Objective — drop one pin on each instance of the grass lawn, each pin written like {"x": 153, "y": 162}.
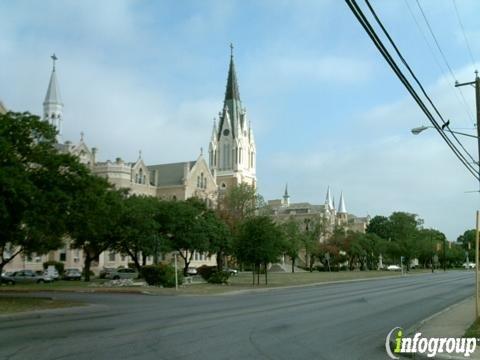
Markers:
{"x": 473, "y": 330}
{"x": 15, "y": 304}
{"x": 242, "y": 281}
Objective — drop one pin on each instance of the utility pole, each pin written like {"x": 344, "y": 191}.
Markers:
{"x": 476, "y": 84}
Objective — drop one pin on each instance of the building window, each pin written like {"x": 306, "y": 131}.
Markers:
{"x": 63, "y": 256}
{"x": 111, "y": 256}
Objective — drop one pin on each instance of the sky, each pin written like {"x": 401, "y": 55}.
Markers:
{"x": 325, "y": 107}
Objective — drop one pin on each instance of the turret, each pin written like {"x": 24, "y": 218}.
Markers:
{"x": 53, "y": 106}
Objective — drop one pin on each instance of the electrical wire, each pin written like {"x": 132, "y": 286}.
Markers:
{"x": 440, "y": 50}
{"x": 454, "y": 90}
{"x": 405, "y": 63}
{"x": 378, "y": 43}
{"x": 464, "y": 34}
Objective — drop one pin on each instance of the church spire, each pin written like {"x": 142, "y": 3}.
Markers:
{"x": 341, "y": 207}
{"x": 52, "y": 105}
{"x": 286, "y": 197}
{"x": 328, "y": 200}
{"x": 232, "y": 92}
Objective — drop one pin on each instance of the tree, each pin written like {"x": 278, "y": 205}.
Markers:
{"x": 139, "y": 228}
{"x": 187, "y": 225}
{"x": 293, "y": 239}
{"x": 38, "y": 185}
{"x": 259, "y": 242}
{"x": 381, "y": 226}
{"x": 314, "y": 230}
{"x": 238, "y": 203}
{"x": 467, "y": 239}
{"x": 95, "y": 222}
{"x": 405, "y": 232}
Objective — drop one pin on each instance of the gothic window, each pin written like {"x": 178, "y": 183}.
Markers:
{"x": 111, "y": 256}
{"x": 205, "y": 183}
{"x": 174, "y": 197}
{"x": 240, "y": 156}
{"x": 198, "y": 181}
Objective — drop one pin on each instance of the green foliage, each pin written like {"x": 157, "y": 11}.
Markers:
{"x": 259, "y": 241}
{"x": 94, "y": 223}
{"x": 58, "y": 265}
{"x": 38, "y": 186}
{"x": 161, "y": 275}
{"x": 292, "y": 237}
{"x": 212, "y": 275}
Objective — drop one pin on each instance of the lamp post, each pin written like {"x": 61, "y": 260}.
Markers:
{"x": 418, "y": 130}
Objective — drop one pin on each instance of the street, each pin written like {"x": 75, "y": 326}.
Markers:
{"x": 336, "y": 321}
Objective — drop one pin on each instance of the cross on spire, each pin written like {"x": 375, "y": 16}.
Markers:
{"x": 54, "y": 58}
{"x": 231, "y": 50}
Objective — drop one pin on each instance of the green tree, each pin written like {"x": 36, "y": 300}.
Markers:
{"x": 95, "y": 222}
{"x": 234, "y": 206}
{"x": 381, "y": 226}
{"x": 187, "y": 227}
{"x": 467, "y": 239}
{"x": 259, "y": 242}
{"x": 38, "y": 185}
{"x": 314, "y": 230}
{"x": 293, "y": 239}
{"x": 139, "y": 229}
{"x": 405, "y": 233}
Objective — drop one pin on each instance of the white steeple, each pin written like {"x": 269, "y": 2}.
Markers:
{"x": 53, "y": 106}
{"x": 328, "y": 200}
{"x": 232, "y": 149}
{"x": 341, "y": 207}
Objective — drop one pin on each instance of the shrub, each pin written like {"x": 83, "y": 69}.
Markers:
{"x": 58, "y": 265}
{"x": 211, "y": 275}
{"x": 161, "y": 275}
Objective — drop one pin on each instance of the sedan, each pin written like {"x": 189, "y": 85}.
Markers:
{"x": 122, "y": 274}
{"x": 25, "y": 276}
{"x": 72, "y": 274}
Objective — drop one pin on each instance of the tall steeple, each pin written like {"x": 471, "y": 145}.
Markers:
{"x": 232, "y": 92}
{"x": 232, "y": 151}
{"x": 52, "y": 105}
{"x": 341, "y": 207}
{"x": 328, "y": 200}
{"x": 286, "y": 197}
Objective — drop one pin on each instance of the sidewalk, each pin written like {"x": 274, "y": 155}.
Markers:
{"x": 450, "y": 322}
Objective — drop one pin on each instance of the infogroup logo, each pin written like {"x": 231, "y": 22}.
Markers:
{"x": 429, "y": 346}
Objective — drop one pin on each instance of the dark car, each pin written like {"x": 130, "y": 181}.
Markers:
{"x": 72, "y": 274}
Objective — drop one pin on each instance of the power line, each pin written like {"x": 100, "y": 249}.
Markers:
{"x": 464, "y": 34}
{"x": 455, "y": 91}
{"x": 378, "y": 43}
{"x": 405, "y": 63}
{"x": 441, "y": 51}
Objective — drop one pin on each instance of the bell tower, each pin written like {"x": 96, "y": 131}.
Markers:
{"x": 232, "y": 152}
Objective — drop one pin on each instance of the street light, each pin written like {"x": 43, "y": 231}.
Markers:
{"x": 418, "y": 130}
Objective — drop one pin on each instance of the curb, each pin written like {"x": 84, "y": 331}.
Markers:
{"x": 35, "y": 314}
{"x": 413, "y": 329}
{"x": 333, "y": 282}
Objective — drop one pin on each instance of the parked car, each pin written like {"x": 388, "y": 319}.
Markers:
{"x": 192, "y": 271}
{"x": 469, "y": 265}
{"x": 72, "y": 274}
{"x": 25, "y": 276}
{"x": 51, "y": 272}
{"x": 231, "y": 271}
{"x": 122, "y": 274}
{"x": 106, "y": 272}
{"x": 393, "y": 268}
{"x": 4, "y": 277}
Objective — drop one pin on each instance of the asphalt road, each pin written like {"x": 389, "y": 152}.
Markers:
{"x": 337, "y": 321}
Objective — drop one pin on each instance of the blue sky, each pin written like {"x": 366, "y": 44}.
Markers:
{"x": 325, "y": 108}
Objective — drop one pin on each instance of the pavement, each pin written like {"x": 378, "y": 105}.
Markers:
{"x": 332, "y": 321}
{"x": 452, "y": 321}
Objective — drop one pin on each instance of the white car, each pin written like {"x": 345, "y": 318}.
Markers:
{"x": 469, "y": 265}
{"x": 393, "y": 268}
